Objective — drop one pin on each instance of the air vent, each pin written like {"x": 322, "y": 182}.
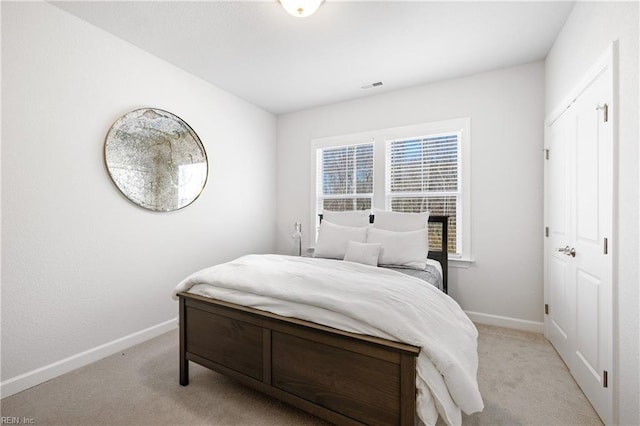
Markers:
{"x": 370, "y": 85}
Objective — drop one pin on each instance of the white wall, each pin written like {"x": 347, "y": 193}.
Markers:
{"x": 588, "y": 32}
{"x": 81, "y": 265}
{"x": 506, "y": 110}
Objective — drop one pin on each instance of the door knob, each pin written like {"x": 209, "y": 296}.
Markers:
{"x": 569, "y": 251}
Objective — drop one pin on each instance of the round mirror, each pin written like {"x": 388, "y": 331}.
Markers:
{"x": 156, "y": 160}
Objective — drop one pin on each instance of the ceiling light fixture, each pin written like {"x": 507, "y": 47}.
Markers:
{"x": 301, "y": 8}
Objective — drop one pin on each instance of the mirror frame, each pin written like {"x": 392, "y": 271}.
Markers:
{"x": 143, "y": 142}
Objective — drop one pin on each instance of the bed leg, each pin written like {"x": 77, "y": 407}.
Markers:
{"x": 184, "y": 372}
{"x": 184, "y": 363}
{"x": 407, "y": 390}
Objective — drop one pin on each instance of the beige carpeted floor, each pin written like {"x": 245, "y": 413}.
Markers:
{"x": 522, "y": 380}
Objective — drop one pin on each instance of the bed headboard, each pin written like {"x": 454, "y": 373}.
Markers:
{"x": 438, "y": 239}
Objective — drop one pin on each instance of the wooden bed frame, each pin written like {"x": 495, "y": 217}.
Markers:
{"x": 344, "y": 378}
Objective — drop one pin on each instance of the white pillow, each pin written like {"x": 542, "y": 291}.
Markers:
{"x": 397, "y": 221}
{"x": 408, "y": 249}
{"x": 333, "y": 239}
{"x": 363, "y": 253}
{"x": 347, "y": 218}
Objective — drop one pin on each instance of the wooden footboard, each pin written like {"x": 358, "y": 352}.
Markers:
{"x": 342, "y": 377}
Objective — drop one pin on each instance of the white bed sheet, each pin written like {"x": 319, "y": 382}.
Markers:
{"x": 432, "y": 272}
{"x": 367, "y": 300}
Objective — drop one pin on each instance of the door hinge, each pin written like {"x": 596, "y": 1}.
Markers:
{"x": 606, "y": 246}
{"x": 605, "y": 109}
{"x": 546, "y": 154}
{"x": 605, "y": 379}
{"x": 546, "y": 231}
{"x": 546, "y": 309}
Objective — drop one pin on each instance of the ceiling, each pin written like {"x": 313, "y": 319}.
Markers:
{"x": 281, "y": 63}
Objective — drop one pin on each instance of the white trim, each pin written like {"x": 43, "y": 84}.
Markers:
{"x": 604, "y": 61}
{"x": 506, "y": 322}
{"x": 40, "y": 375}
{"x": 458, "y": 262}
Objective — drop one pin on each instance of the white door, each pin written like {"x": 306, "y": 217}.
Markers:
{"x": 592, "y": 230}
{"x": 560, "y": 318}
{"x": 579, "y": 276}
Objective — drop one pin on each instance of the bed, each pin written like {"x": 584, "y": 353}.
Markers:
{"x": 438, "y": 235}
{"x": 343, "y": 375}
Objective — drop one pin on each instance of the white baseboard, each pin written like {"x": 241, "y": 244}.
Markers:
{"x": 48, "y": 372}
{"x": 506, "y": 322}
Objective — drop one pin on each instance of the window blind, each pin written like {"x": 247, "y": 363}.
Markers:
{"x": 345, "y": 177}
{"x": 424, "y": 173}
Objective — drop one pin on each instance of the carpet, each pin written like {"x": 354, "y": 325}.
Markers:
{"x": 522, "y": 379}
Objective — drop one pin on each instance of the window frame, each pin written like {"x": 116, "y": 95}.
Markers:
{"x": 380, "y": 139}
{"x": 354, "y": 195}
{"x": 332, "y": 142}
{"x": 390, "y": 195}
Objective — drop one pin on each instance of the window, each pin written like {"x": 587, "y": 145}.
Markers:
{"x": 345, "y": 177}
{"x": 407, "y": 169}
{"x": 423, "y": 173}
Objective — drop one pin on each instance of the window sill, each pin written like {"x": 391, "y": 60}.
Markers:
{"x": 460, "y": 263}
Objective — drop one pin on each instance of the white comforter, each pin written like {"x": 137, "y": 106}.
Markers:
{"x": 367, "y": 300}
